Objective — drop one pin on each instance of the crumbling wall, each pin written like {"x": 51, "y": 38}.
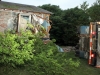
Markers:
{"x": 8, "y": 20}
{"x": 16, "y": 20}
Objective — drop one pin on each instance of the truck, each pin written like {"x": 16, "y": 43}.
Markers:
{"x": 89, "y": 43}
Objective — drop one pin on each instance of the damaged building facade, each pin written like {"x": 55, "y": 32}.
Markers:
{"x": 16, "y": 17}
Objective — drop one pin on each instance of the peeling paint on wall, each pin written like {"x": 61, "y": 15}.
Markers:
{"x": 7, "y": 21}
{"x": 13, "y": 20}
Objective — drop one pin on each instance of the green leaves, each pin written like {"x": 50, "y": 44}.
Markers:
{"x": 65, "y": 20}
{"x": 15, "y": 49}
{"x": 48, "y": 61}
{"x": 94, "y": 13}
{"x": 40, "y": 58}
{"x": 84, "y": 6}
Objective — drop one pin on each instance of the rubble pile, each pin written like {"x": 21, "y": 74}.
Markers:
{"x": 68, "y": 48}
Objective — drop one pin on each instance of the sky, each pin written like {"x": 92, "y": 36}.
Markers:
{"x": 63, "y": 4}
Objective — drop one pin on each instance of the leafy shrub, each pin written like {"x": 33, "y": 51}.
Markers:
{"x": 48, "y": 61}
{"x": 37, "y": 57}
{"x": 16, "y": 49}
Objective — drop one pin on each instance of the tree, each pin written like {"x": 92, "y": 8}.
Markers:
{"x": 65, "y": 22}
{"x": 73, "y": 17}
{"x": 84, "y": 6}
{"x": 94, "y": 12}
{"x": 52, "y": 8}
{"x": 97, "y": 2}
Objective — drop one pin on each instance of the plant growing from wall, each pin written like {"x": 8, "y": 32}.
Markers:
{"x": 38, "y": 29}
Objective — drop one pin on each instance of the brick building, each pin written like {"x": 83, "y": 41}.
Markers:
{"x": 15, "y": 16}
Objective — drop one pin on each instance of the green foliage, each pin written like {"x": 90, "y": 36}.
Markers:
{"x": 84, "y": 6}
{"x": 14, "y": 49}
{"x": 65, "y": 22}
{"x": 93, "y": 12}
{"x": 30, "y": 26}
{"x": 56, "y": 31}
{"x": 72, "y": 18}
{"x": 83, "y": 69}
{"x": 44, "y": 59}
{"x": 48, "y": 61}
{"x": 31, "y": 52}
{"x": 97, "y": 2}
{"x": 52, "y": 8}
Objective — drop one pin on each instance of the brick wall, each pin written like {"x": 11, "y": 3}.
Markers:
{"x": 7, "y": 20}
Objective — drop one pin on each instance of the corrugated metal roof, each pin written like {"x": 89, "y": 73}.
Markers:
{"x": 16, "y": 6}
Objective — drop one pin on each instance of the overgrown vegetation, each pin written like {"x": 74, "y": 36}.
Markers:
{"x": 16, "y": 50}
{"x": 82, "y": 69}
{"x": 28, "y": 51}
{"x": 26, "y": 54}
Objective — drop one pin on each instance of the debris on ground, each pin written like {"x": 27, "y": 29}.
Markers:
{"x": 68, "y": 48}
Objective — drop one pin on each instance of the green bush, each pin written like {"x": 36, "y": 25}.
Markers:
{"x": 16, "y": 49}
{"x": 48, "y": 61}
{"x": 30, "y": 51}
